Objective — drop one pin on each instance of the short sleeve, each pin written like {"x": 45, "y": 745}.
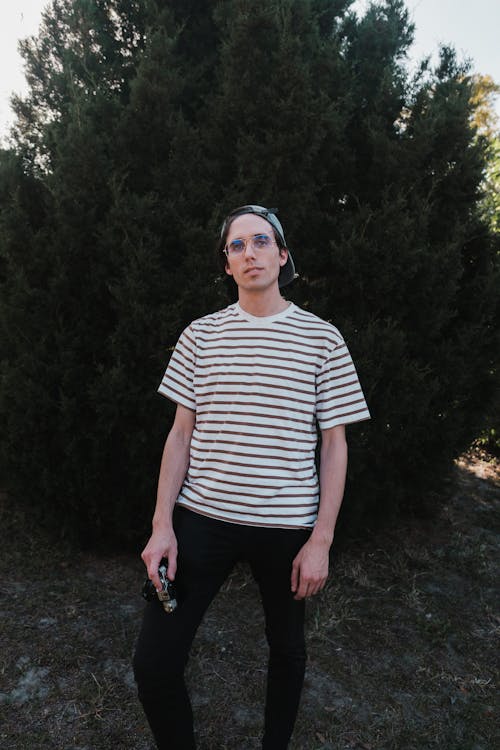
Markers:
{"x": 178, "y": 382}
{"x": 339, "y": 398}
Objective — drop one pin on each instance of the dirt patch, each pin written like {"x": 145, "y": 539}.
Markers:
{"x": 402, "y": 643}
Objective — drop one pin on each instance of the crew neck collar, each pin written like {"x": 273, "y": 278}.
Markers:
{"x": 265, "y": 319}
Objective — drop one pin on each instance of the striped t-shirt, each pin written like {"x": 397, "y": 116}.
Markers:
{"x": 259, "y": 387}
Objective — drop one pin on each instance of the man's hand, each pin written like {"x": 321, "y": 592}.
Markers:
{"x": 161, "y": 544}
{"x": 310, "y": 569}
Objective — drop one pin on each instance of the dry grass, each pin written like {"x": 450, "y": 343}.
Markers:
{"x": 402, "y": 651}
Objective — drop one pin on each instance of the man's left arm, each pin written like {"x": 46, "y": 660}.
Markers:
{"x": 310, "y": 567}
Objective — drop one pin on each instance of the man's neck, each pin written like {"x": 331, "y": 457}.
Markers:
{"x": 262, "y": 304}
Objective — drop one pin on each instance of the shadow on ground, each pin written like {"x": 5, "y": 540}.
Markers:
{"x": 401, "y": 642}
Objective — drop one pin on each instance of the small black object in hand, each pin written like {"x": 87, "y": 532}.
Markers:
{"x": 167, "y": 595}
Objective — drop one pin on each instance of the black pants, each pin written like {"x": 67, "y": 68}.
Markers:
{"x": 207, "y": 552}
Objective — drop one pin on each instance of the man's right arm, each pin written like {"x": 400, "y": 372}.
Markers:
{"x": 174, "y": 466}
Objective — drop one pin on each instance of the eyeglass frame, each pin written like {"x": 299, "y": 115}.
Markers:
{"x": 248, "y": 239}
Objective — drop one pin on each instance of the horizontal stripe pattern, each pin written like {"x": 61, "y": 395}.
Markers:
{"x": 260, "y": 387}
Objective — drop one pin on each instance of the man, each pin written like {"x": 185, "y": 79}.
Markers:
{"x": 251, "y": 383}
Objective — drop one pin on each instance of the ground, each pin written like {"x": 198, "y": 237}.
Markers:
{"x": 402, "y": 652}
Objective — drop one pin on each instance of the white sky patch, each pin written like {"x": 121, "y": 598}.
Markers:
{"x": 18, "y": 19}
{"x": 472, "y": 28}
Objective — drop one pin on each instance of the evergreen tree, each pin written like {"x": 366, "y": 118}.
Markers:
{"x": 145, "y": 122}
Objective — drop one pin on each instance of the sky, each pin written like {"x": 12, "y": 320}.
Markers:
{"x": 471, "y": 27}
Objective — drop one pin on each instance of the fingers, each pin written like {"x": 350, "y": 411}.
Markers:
{"x": 309, "y": 570}
{"x": 172, "y": 566}
{"x": 308, "y": 588}
{"x": 156, "y": 548}
{"x": 155, "y": 578}
{"x": 299, "y": 581}
{"x": 295, "y": 577}
{"x": 152, "y": 563}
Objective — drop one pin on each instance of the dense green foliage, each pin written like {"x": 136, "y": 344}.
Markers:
{"x": 146, "y": 121}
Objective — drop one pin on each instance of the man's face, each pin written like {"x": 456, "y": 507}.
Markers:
{"x": 254, "y": 268}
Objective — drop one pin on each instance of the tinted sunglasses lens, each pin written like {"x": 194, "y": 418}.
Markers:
{"x": 235, "y": 247}
{"x": 261, "y": 241}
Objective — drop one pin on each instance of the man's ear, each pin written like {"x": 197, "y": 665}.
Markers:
{"x": 283, "y": 255}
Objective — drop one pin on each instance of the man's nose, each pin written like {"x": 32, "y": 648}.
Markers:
{"x": 249, "y": 249}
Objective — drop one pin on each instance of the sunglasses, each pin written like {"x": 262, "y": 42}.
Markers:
{"x": 257, "y": 242}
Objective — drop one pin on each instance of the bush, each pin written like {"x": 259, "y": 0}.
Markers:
{"x": 144, "y": 124}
